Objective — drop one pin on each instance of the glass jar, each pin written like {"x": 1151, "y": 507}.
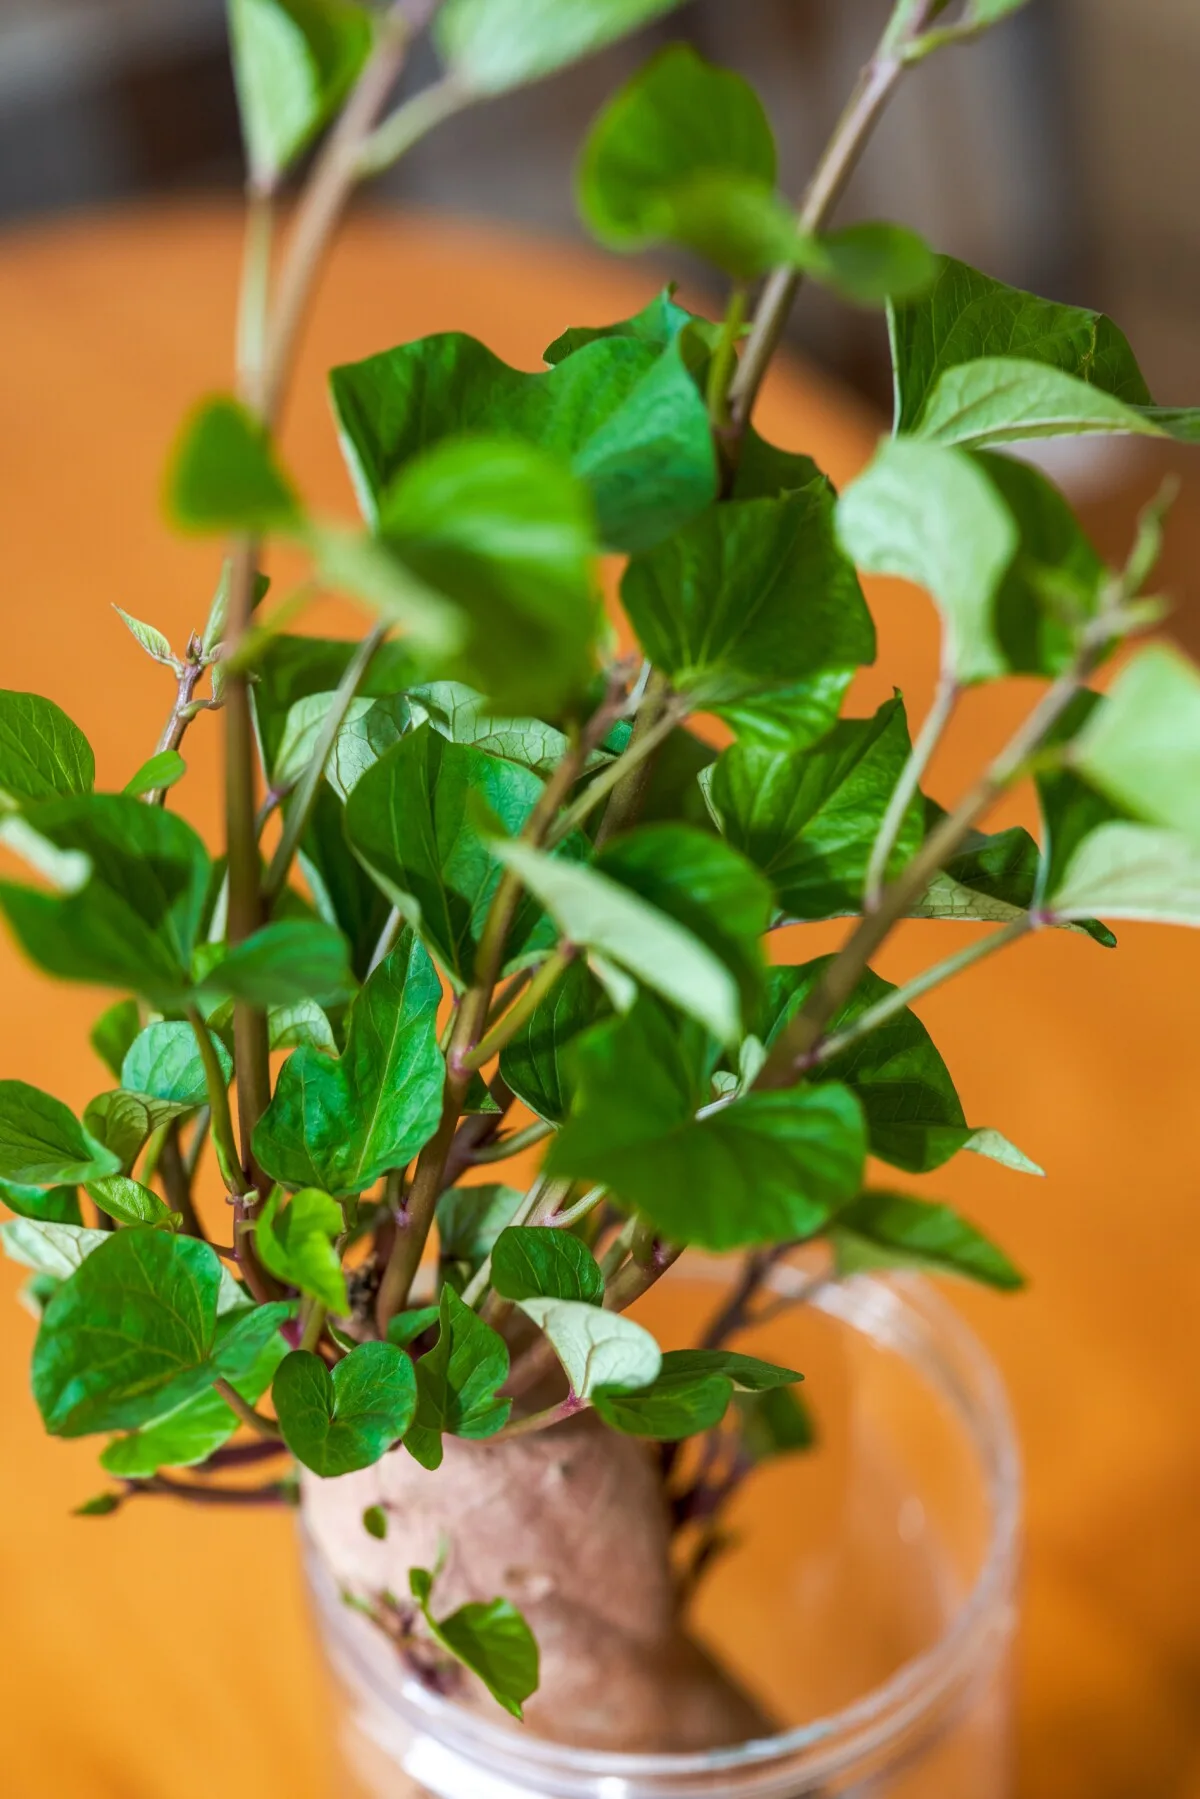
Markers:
{"x": 869, "y": 1605}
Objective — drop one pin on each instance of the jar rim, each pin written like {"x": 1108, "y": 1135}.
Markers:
{"x": 900, "y": 1313}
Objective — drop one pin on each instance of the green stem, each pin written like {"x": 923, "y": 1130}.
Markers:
{"x": 627, "y": 778}
{"x": 254, "y": 300}
{"x": 527, "y": 1003}
{"x": 724, "y": 360}
{"x": 940, "y": 713}
{"x": 561, "y": 1221}
{"x": 843, "y": 974}
{"x": 176, "y": 1180}
{"x": 512, "y": 1146}
{"x": 895, "y": 1002}
{"x": 334, "y": 177}
{"x": 224, "y": 1140}
{"x": 314, "y": 1324}
{"x": 265, "y": 1427}
{"x": 305, "y": 796}
{"x": 409, "y": 123}
{"x": 536, "y": 1421}
{"x": 871, "y": 94}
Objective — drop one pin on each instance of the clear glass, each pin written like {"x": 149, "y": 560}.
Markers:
{"x": 870, "y": 1605}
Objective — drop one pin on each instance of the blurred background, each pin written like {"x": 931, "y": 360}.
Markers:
{"x": 1060, "y": 154}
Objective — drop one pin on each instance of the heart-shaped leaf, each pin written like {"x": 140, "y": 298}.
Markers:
{"x": 295, "y": 1242}
{"x": 43, "y": 1143}
{"x": 492, "y": 1640}
{"x": 596, "y": 1348}
{"x": 335, "y": 1422}
{"x": 530, "y": 1262}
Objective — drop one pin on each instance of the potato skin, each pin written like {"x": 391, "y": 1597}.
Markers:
{"x": 571, "y": 1525}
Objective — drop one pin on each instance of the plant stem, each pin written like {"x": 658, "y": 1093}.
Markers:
{"x": 512, "y": 1146}
{"x": 198, "y": 1493}
{"x": 642, "y": 744}
{"x": 636, "y": 1278}
{"x": 570, "y": 1407}
{"x": 629, "y": 776}
{"x": 895, "y": 1002}
{"x": 409, "y": 123}
{"x": 724, "y": 362}
{"x": 561, "y": 1221}
{"x": 944, "y": 701}
{"x": 308, "y": 787}
{"x": 871, "y": 93}
{"x": 255, "y": 294}
{"x": 843, "y": 974}
{"x": 177, "y": 1181}
{"x": 264, "y": 1427}
{"x": 527, "y": 1003}
{"x": 314, "y": 1324}
{"x": 218, "y": 1106}
{"x": 176, "y": 726}
{"x": 334, "y": 177}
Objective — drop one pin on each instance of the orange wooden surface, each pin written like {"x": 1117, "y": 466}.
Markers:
{"x": 164, "y": 1654}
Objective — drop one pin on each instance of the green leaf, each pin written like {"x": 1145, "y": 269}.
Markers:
{"x": 677, "y": 1404}
{"x": 345, "y": 894}
{"x": 869, "y": 263}
{"x": 42, "y": 1143}
{"x": 294, "y": 61}
{"x": 459, "y": 713}
{"x": 102, "y": 1506}
{"x": 458, "y": 1383}
{"x": 129, "y": 1202}
{"x": 114, "y": 1032}
{"x": 301, "y": 1026}
{"x": 155, "y": 643}
{"x": 49, "y": 1248}
{"x": 596, "y": 912}
{"x": 470, "y": 1219}
{"x": 533, "y": 1061}
{"x": 335, "y": 1422}
{"x": 224, "y": 476}
{"x": 370, "y": 727}
{"x": 375, "y": 1522}
{"x": 597, "y": 1348}
{"x": 55, "y": 1205}
{"x": 980, "y": 363}
{"x": 691, "y": 1393}
{"x": 160, "y": 772}
{"x": 754, "y": 611}
{"x": 164, "y": 1062}
{"x": 1054, "y": 583}
{"x": 930, "y": 515}
{"x": 296, "y": 1243}
{"x": 124, "y": 1122}
{"x": 406, "y": 1327}
{"x": 809, "y": 820}
{"x": 341, "y": 1124}
{"x": 629, "y": 419}
{"x": 531, "y": 1262}
{"x": 966, "y": 316}
{"x": 283, "y": 964}
{"x": 134, "y": 920}
{"x": 1141, "y": 745}
{"x": 678, "y": 122}
{"x": 414, "y": 820}
{"x": 893, "y": 1230}
{"x": 42, "y": 754}
{"x": 130, "y": 1335}
{"x": 1131, "y": 871}
{"x": 772, "y": 1424}
{"x": 492, "y": 1640}
{"x": 504, "y": 531}
{"x": 768, "y": 1168}
{"x": 191, "y": 1433}
{"x": 705, "y": 886}
{"x": 491, "y": 45}
{"x": 659, "y": 323}
{"x": 914, "y": 1118}
{"x": 748, "y": 1373}
{"x": 289, "y": 668}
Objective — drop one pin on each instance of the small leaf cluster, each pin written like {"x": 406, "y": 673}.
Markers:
{"x": 518, "y": 896}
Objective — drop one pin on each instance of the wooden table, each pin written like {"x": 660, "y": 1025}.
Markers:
{"x": 140, "y": 1661}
